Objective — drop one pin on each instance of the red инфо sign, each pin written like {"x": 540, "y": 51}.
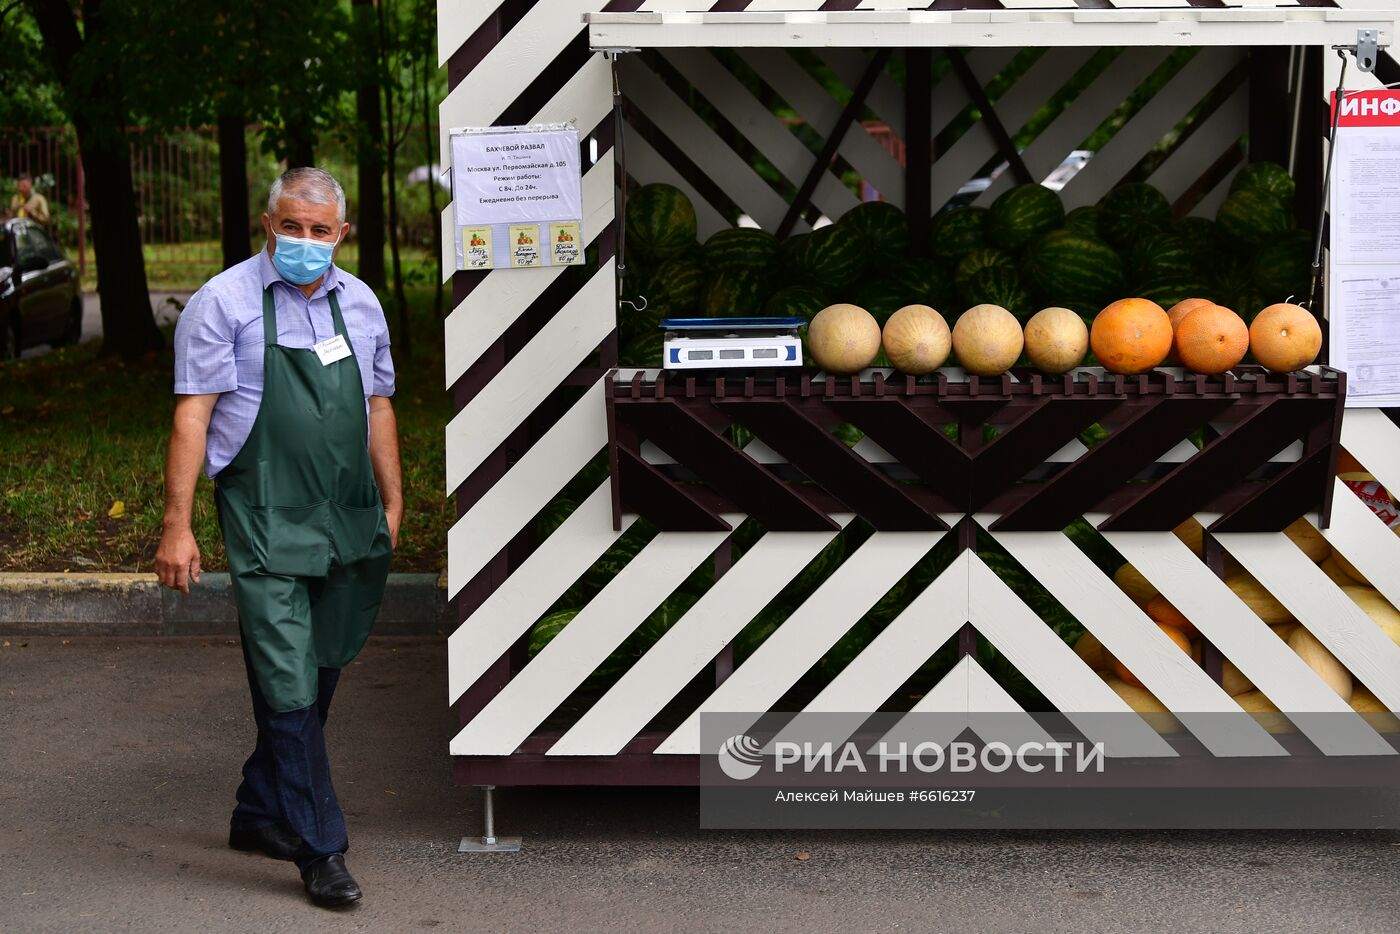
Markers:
{"x": 1368, "y": 108}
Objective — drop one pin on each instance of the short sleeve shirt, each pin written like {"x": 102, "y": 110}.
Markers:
{"x": 219, "y": 342}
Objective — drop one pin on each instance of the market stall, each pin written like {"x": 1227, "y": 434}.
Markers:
{"x": 638, "y": 547}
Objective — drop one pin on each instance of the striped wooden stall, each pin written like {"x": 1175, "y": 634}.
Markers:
{"x": 530, "y": 355}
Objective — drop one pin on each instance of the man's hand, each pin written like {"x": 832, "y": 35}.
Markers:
{"x": 177, "y": 558}
{"x": 384, "y": 457}
{"x": 394, "y": 517}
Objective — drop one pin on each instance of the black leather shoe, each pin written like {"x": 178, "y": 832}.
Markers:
{"x": 270, "y": 840}
{"x": 329, "y": 883}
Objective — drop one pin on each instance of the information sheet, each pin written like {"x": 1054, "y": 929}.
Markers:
{"x": 517, "y": 194}
{"x": 1363, "y": 304}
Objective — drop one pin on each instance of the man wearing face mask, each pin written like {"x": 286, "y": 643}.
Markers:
{"x": 282, "y": 383}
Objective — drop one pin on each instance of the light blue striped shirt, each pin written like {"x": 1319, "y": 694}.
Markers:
{"x": 219, "y": 342}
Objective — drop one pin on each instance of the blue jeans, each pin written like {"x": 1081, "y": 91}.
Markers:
{"x": 287, "y": 779}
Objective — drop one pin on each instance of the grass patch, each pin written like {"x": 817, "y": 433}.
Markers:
{"x": 79, "y": 432}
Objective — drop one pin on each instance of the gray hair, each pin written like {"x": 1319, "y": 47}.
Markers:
{"x": 308, "y": 184}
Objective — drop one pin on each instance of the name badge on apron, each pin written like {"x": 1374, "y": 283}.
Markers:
{"x": 332, "y": 349}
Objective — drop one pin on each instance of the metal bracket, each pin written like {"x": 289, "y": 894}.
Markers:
{"x": 1367, "y": 50}
{"x": 488, "y": 842}
{"x": 613, "y": 51}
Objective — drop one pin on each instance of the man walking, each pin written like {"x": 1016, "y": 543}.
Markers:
{"x": 26, "y": 202}
{"x": 282, "y": 382}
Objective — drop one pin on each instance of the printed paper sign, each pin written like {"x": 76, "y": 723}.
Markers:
{"x": 525, "y": 245}
{"x": 565, "y": 247}
{"x": 476, "y": 247}
{"x": 1363, "y": 307}
{"x": 505, "y": 178}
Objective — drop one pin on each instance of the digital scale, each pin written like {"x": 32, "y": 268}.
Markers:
{"x": 728, "y": 343}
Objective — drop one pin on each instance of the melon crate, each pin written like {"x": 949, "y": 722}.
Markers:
{"x": 636, "y": 549}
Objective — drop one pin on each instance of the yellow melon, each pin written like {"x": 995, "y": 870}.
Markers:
{"x": 1349, "y": 569}
{"x": 1284, "y": 630}
{"x": 1192, "y": 534}
{"x": 843, "y": 338}
{"x": 1309, "y": 540}
{"x": 1146, "y": 703}
{"x": 1264, "y": 711}
{"x": 1315, "y": 655}
{"x": 916, "y": 340}
{"x": 1233, "y": 680}
{"x": 1380, "y": 718}
{"x": 1130, "y": 580}
{"x": 1333, "y": 569}
{"x": 987, "y": 340}
{"x": 1376, "y": 606}
{"x": 1089, "y": 648}
{"x": 1056, "y": 340}
{"x": 1258, "y": 599}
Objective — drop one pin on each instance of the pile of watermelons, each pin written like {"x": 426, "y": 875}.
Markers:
{"x": 1023, "y": 253}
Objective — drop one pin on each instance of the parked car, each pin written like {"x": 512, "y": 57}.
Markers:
{"x": 41, "y": 300}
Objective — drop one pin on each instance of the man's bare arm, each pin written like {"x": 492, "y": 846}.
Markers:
{"x": 384, "y": 456}
{"x": 177, "y": 557}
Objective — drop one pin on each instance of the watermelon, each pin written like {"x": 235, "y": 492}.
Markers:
{"x": 1204, "y": 242}
{"x": 1267, "y": 178}
{"x": 1022, "y": 691}
{"x": 927, "y": 282}
{"x": 846, "y": 648}
{"x": 882, "y": 228}
{"x": 644, "y": 350}
{"x": 882, "y": 298}
{"x": 1090, "y": 541}
{"x": 833, "y": 257}
{"x": 1156, "y": 257}
{"x": 1071, "y": 269}
{"x": 979, "y": 259}
{"x": 1283, "y": 267}
{"x": 797, "y": 300}
{"x": 1232, "y": 285}
{"x": 1253, "y": 217}
{"x": 848, "y": 434}
{"x": 758, "y": 629}
{"x": 679, "y": 284}
{"x": 789, "y": 253}
{"x": 546, "y": 629}
{"x": 552, "y": 516}
{"x": 819, "y": 569}
{"x": 1167, "y": 292}
{"x": 1023, "y": 214}
{"x": 656, "y": 625}
{"x": 738, "y": 291}
{"x": 995, "y": 285}
{"x": 741, "y": 246}
{"x": 1131, "y": 211}
{"x": 1083, "y": 220}
{"x": 660, "y": 221}
{"x": 958, "y": 232}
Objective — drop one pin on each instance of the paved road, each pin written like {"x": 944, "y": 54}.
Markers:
{"x": 161, "y": 306}
{"x": 120, "y": 758}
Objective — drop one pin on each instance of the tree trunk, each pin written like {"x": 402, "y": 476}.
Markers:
{"x": 95, "y": 106}
{"x": 233, "y": 190}
{"x": 300, "y": 146}
{"x": 370, "y": 150}
{"x": 405, "y": 338}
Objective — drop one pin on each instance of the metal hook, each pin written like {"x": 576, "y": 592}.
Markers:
{"x": 633, "y": 305}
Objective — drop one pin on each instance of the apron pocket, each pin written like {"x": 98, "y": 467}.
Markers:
{"x": 293, "y": 540}
{"x": 356, "y": 531}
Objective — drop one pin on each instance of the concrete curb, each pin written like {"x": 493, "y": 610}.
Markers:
{"x": 136, "y": 605}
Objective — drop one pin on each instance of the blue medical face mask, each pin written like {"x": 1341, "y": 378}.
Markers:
{"x": 303, "y": 261}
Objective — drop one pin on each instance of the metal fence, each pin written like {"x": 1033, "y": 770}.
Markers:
{"x": 176, "y": 177}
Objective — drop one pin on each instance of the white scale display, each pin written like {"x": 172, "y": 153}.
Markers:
{"x": 731, "y": 343}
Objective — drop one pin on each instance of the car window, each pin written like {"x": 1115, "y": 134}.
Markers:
{"x": 28, "y": 247}
{"x": 43, "y": 245}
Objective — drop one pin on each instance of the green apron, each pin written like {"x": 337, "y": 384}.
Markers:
{"x": 308, "y": 545}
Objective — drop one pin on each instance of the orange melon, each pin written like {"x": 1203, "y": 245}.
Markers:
{"x": 1056, "y": 340}
{"x": 1211, "y": 340}
{"x": 1132, "y": 335}
{"x": 1176, "y": 635}
{"x": 987, "y": 340}
{"x": 1162, "y": 612}
{"x": 1285, "y": 338}
{"x": 1180, "y": 310}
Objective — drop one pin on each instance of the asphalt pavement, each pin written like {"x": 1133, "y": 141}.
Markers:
{"x": 120, "y": 757}
{"x": 164, "y": 305}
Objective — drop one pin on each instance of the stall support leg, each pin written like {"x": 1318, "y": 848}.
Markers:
{"x": 488, "y": 842}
